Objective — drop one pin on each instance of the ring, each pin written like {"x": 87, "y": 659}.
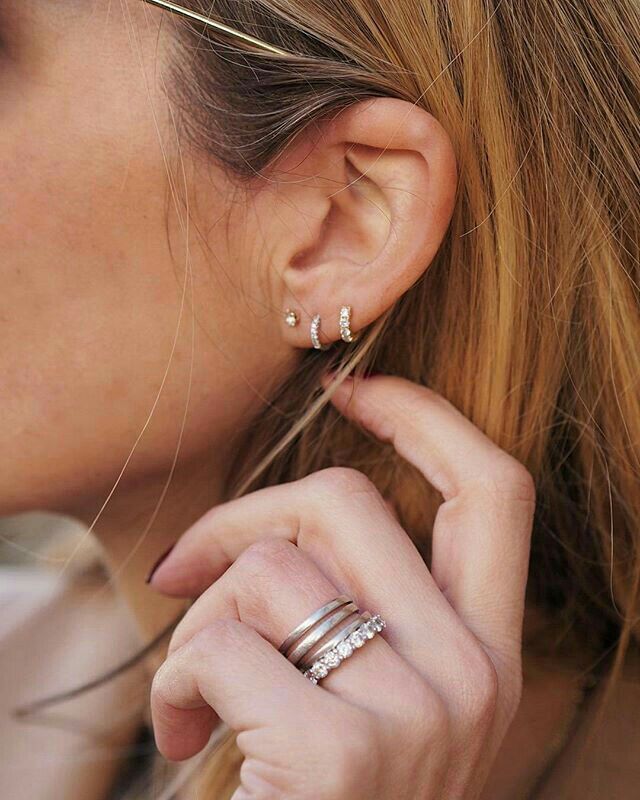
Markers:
{"x": 311, "y": 620}
{"x": 320, "y": 631}
{"x": 340, "y": 634}
{"x": 345, "y": 648}
{"x": 328, "y": 636}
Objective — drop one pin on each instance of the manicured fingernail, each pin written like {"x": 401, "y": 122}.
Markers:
{"x": 154, "y": 568}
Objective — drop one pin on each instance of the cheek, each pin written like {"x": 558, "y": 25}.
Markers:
{"x": 92, "y": 271}
{"x": 82, "y": 203}
{"x": 83, "y": 235}
{"x": 90, "y": 292}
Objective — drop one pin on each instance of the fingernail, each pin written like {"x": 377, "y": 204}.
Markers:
{"x": 154, "y": 568}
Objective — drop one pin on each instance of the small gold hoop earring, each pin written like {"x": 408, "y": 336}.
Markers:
{"x": 345, "y": 324}
{"x": 315, "y": 333}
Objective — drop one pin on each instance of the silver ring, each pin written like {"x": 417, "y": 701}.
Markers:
{"x": 340, "y": 634}
{"x": 310, "y": 639}
{"x": 311, "y": 620}
{"x": 345, "y": 648}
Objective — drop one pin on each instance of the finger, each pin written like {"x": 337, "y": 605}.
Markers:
{"x": 272, "y": 587}
{"x": 481, "y": 537}
{"x": 341, "y": 522}
{"x": 331, "y": 514}
{"x": 227, "y": 671}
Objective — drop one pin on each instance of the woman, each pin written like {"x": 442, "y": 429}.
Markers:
{"x": 219, "y": 225}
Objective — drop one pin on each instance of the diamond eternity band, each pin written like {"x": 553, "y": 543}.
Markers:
{"x": 344, "y": 649}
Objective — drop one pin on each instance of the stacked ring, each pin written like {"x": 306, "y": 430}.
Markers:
{"x": 315, "y": 655}
{"x": 331, "y": 659}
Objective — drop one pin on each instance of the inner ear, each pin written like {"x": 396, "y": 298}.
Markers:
{"x": 358, "y": 220}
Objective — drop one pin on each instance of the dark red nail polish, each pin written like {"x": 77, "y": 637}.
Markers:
{"x": 157, "y": 564}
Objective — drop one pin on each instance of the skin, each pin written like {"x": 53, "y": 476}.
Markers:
{"x": 436, "y": 734}
{"x": 119, "y": 351}
{"x": 110, "y": 343}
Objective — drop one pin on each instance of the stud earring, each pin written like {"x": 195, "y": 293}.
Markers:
{"x": 345, "y": 324}
{"x": 315, "y": 331}
{"x": 291, "y": 318}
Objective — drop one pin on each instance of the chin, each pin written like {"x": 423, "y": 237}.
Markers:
{"x": 37, "y": 489}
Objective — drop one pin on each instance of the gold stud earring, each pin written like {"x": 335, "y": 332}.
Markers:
{"x": 345, "y": 324}
{"x": 291, "y": 318}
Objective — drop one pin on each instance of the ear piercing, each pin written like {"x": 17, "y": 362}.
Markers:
{"x": 345, "y": 324}
{"x": 292, "y": 319}
{"x": 314, "y": 331}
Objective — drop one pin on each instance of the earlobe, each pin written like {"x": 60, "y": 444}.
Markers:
{"x": 370, "y": 203}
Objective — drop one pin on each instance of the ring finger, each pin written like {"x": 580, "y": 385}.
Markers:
{"x": 273, "y": 586}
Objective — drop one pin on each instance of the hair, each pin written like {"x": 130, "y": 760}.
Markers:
{"x": 528, "y": 317}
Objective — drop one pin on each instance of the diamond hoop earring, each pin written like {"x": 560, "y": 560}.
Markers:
{"x": 315, "y": 331}
{"x": 345, "y": 324}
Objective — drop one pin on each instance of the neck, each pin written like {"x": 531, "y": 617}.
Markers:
{"x": 139, "y": 524}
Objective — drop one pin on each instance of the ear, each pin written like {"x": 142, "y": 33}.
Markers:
{"x": 361, "y": 205}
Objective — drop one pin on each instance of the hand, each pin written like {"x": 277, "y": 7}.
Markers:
{"x": 421, "y": 709}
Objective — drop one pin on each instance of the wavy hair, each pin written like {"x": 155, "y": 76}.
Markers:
{"x": 528, "y": 319}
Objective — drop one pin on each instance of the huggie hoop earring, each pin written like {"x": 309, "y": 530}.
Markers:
{"x": 345, "y": 324}
{"x": 314, "y": 331}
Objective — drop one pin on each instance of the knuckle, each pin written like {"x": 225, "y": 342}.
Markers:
{"x": 508, "y": 476}
{"x": 435, "y": 723}
{"x": 222, "y": 634}
{"x": 159, "y": 683}
{"x": 266, "y": 555}
{"x": 412, "y": 400}
{"x": 261, "y": 571}
{"x": 482, "y": 687}
{"x": 344, "y": 481}
{"x": 257, "y": 775}
{"x": 421, "y": 720}
{"x": 165, "y": 688}
{"x": 353, "y": 754}
{"x": 426, "y": 728}
{"x": 176, "y": 640}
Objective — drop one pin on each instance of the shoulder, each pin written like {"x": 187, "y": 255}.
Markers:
{"x": 22, "y": 593}
{"x": 56, "y": 635}
{"x": 37, "y": 603}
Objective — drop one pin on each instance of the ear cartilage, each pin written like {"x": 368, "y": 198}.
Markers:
{"x": 345, "y": 324}
{"x": 314, "y": 331}
{"x": 291, "y": 318}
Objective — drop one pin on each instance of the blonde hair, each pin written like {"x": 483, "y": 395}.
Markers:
{"x": 527, "y": 319}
